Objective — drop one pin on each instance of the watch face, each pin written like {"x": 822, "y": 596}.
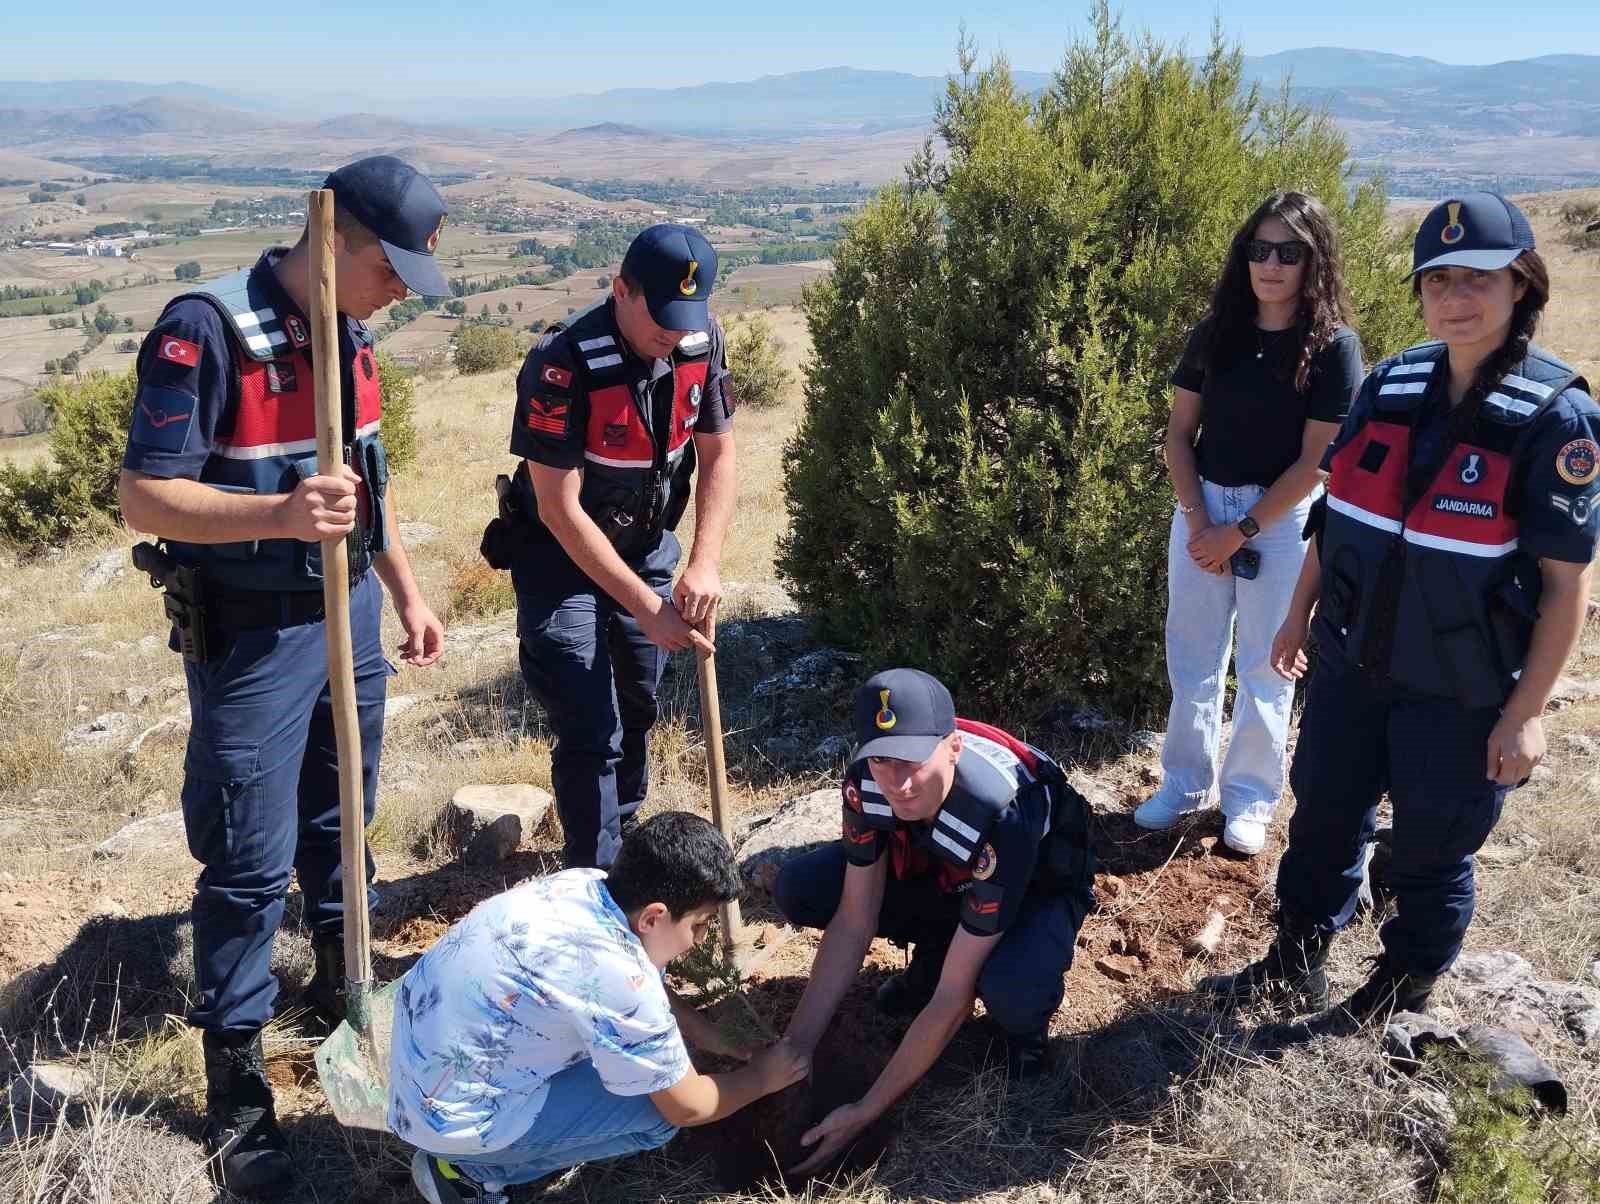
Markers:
{"x": 1249, "y": 527}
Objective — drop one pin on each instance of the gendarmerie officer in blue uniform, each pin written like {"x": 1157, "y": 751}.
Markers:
{"x": 959, "y": 840}
{"x": 1449, "y": 576}
{"x": 221, "y": 466}
{"x": 616, "y": 406}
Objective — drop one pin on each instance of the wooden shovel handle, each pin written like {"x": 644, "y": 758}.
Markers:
{"x": 336, "y": 605}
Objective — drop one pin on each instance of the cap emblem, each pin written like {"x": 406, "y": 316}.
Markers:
{"x": 885, "y": 718}
{"x": 433, "y": 239}
{"x": 688, "y": 286}
{"x": 1454, "y": 231}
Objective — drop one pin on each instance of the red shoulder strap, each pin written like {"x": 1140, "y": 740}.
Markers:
{"x": 1005, "y": 739}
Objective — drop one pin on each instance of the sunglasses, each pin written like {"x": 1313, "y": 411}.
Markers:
{"x": 1289, "y": 253}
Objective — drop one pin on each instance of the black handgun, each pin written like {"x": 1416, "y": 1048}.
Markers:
{"x": 183, "y": 598}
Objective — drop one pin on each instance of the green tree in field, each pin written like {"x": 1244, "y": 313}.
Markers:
{"x": 484, "y": 349}
{"x": 976, "y": 486}
{"x": 187, "y": 270}
{"x": 74, "y": 492}
{"x": 759, "y": 377}
{"x": 398, "y": 389}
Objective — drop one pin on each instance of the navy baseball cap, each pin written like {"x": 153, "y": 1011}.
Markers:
{"x": 398, "y": 204}
{"x": 675, "y": 267}
{"x": 1479, "y": 230}
{"x": 902, "y": 713}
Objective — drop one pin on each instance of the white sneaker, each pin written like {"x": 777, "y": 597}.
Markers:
{"x": 1160, "y": 811}
{"x": 1247, "y": 832}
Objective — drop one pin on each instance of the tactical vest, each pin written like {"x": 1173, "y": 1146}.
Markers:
{"x": 994, "y": 768}
{"x": 267, "y": 440}
{"x": 1429, "y": 593}
{"x": 637, "y": 475}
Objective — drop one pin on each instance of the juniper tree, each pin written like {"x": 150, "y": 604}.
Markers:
{"x": 976, "y": 484}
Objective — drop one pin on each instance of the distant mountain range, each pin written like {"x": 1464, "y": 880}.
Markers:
{"x": 1410, "y": 115}
{"x": 1556, "y": 94}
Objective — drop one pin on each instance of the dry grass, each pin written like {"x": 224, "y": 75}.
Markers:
{"x": 1210, "y": 1124}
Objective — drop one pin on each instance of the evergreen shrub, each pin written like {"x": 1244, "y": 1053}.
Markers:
{"x": 976, "y": 485}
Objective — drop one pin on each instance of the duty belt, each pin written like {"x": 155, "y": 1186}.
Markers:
{"x": 235, "y": 610}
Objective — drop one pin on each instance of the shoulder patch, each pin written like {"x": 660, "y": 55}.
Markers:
{"x": 552, "y": 374}
{"x": 162, "y": 418}
{"x": 1578, "y": 462}
{"x": 179, "y": 351}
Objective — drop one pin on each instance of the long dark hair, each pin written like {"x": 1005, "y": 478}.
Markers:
{"x": 1529, "y": 268}
{"x": 1324, "y": 301}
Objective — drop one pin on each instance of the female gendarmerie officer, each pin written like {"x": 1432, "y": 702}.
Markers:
{"x": 1449, "y": 577}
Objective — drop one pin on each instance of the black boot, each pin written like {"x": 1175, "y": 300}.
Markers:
{"x": 907, "y": 993}
{"x": 1027, "y": 1055}
{"x": 325, "y": 994}
{"x": 1292, "y": 975}
{"x": 1388, "y": 989}
{"x": 251, "y": 1156}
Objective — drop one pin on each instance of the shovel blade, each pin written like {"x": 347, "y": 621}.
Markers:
{"x": 353, "y": 1065}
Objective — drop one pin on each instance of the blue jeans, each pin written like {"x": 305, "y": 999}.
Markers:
{"x": 1357, "y": 741}
{"x": 580, "y": 1122}
{"x": 596, "y": 674}
{"x": 261, "y": 798}
{"x": 1201, "y": 613}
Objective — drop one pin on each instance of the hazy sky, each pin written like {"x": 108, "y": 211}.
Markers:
{"x": 490, "y": 47}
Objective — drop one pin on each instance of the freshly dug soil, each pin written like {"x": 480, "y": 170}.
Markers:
{"x": 759, "y": 1144}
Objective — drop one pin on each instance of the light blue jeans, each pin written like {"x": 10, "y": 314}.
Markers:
{"x": 1201, "y": 613}
{"x": 580, "y": 1122}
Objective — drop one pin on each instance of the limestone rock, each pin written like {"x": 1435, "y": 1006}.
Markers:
{"x": 1512, "y": 851}
{"x": 1581, "y": 744}
{"x": 1569, "y": 690}
{"x": 156, "y": 733}
{"x": 1118, "y": 968}
{"x": 489, "y": 823}
{"x": 398, "y": 704}
{"x": 1146, "y": 741}
{"x": 1101, "y": 800}
{"x": 100, "y": 732}
{"x": 415, "y": 534}
{"x": 154, "y": 834}
{"x": 832, "y": 750}
{"x": 104, "y": 569}
{"x": 1526, "y": 1004}
{"x": 825, "y": 671}
{"x": 765, "y": 841}
{"x": 107, "y": 908}
{"x": 40, "y": 1092}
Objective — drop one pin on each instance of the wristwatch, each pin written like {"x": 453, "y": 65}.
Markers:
{"x": 1248, "y": 527}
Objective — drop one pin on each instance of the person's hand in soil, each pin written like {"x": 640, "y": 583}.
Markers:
{"x": 779, "y": 1065}
{"x": 832, "y": 1137}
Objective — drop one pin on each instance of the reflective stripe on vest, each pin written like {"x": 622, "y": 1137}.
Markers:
{"x": 1411, "y": 593}
{"x": 269, "y": 444}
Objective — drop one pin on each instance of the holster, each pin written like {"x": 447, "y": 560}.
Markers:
{"x": 183, "y": 600}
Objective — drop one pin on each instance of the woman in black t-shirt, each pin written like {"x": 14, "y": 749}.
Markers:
{"x": 1261, "y": 389}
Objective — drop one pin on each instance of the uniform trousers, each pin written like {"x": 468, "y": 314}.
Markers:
{"x": 261, "y": 797}
{"x": 1023, "y": 979}
{"x": 1357, "y": 741}
{"x": 596, "y": 674}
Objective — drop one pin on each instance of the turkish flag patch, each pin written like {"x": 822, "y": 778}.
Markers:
{"x": 179, "y": 351}
{"x": 559, "y": 377}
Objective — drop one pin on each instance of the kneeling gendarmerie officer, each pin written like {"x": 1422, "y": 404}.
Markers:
{"x": 1450, "y": 572}
{"x": 614, "y": 408}
{"x": 958, "y": 839}
{"x": 221, "y": 465}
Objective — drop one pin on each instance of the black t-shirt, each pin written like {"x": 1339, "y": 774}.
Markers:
{"x": 1252, "y": 419}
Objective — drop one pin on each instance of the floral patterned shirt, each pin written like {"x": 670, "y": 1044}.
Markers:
{"x": 531, "y": 982}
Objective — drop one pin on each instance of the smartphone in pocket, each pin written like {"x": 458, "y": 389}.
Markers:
{"x": 1245, "y": 563}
